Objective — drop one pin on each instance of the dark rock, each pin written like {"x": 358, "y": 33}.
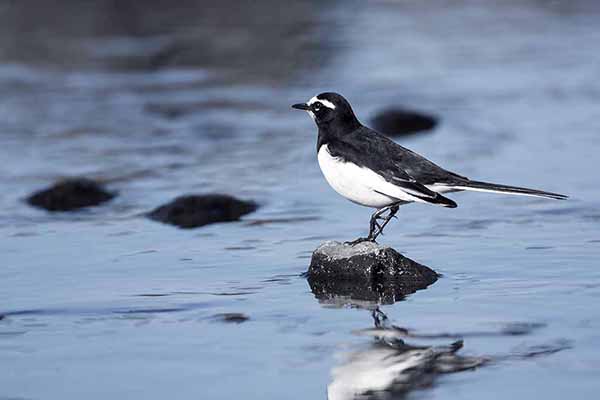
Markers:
{"x": 1, "y": 317}
{"x": 365, "y": 272}
{"x": 236, "y": 318}
{"x": 197, "y": 210}
{"x": 397, "y": 122}
{"x": 70, "y": 194}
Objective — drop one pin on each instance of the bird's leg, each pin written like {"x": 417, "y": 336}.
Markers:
{"x": 393, "y": 209}
{"x": 375, "y": 228}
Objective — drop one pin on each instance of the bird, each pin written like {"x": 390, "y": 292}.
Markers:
{"x": 371, "y": 170}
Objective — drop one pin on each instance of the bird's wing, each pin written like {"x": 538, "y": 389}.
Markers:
{"x": 394, "y": 160}
{"x": 395, "y": 164}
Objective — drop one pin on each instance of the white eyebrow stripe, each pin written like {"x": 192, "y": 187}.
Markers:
{"x": 326, "y": 103}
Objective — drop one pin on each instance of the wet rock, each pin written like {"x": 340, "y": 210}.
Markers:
{"x": 368, "y": 261}
{"x": 70, "y": 194}
{"x": 193, "y": 211}
{"x": 364, "y": 272}
{"x": 397, "y": 122}
{"x": 235, "y": 318}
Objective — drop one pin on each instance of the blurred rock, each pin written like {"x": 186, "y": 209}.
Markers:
{"x": 70, "y": 194}
{"x": 398, "y": 122}
{"x": 192, "y": 211}
{"x": 236, "y": 318}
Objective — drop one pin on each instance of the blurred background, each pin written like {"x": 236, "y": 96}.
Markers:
{"x": 157, "y": 99}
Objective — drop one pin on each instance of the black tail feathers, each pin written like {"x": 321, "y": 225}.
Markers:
{"x": 494, "y": 187}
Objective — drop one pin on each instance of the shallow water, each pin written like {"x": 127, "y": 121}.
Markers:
{"x": 104, "y": 303}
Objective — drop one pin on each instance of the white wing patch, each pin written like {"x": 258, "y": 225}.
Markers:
{"x": 360, "y": 185}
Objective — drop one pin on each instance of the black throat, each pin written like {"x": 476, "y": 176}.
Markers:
{"x": 336, "y": 129}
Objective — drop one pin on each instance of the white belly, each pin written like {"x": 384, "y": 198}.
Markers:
{"x": 357, "y": 184}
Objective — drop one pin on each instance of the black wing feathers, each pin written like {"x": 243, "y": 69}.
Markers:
{"x": 370, "y": 149}
{"x": 396, "y": 164}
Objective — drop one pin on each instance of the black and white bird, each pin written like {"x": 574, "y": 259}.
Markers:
{"x": 369, "y": 169}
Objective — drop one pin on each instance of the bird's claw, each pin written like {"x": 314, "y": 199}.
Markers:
{"x": 360, "y": 240}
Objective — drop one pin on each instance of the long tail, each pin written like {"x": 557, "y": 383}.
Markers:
{"x": 496, "y": 188}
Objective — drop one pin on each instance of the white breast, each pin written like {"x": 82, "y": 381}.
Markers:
{"x": 359, "y": 185}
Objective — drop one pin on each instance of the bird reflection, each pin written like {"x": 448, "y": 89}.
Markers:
{"x": 390, "y": 368}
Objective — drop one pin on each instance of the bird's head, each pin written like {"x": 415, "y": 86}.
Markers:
{"x": 330, "y": 110}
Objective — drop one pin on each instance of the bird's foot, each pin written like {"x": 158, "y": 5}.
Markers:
{"x": 360, "y": 240}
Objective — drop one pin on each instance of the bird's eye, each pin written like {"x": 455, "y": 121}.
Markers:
{"x": 317, "y": 106}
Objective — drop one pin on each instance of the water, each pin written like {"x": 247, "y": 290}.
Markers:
{"x": 104, "y": 303}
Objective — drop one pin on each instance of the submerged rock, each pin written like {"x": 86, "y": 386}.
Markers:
{"x": 365, "y": 272}
{"x": 397, "y": 122}
{"x": 70, "y": 194}
{"x": 236, "y": 318}
{"x": 192, "y": 211}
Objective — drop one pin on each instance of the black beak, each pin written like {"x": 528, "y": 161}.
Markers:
{"x": 301, "y": 106}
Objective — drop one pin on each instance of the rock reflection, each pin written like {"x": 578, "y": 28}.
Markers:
{"x": 362, "y": 294}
